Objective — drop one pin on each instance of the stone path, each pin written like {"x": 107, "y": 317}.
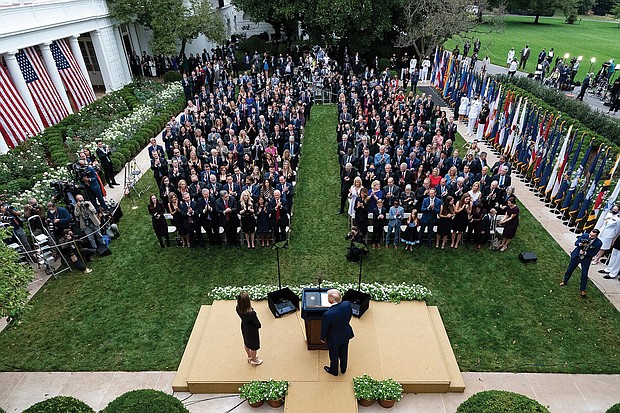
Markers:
{"x": 571, "y": 393}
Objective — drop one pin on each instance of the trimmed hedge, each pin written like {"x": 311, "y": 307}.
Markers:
{"x": 594, "y": 120}
{"x": 172, "y": 76}
{"x": 499, "y": 401}
{"x": 145, "y": 401}
{"x": 60, "y": 404}
{"x": 614, "y": 409}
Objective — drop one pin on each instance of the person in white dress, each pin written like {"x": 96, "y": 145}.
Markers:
{"x": 613, "y": 265}
{"x": 354, "y": 192}
{"x": 413, "y": 64}
{"x": 474, "y": 111}
{"x": 463, "y": 107}
{"x": 609, "y": 231}
{"x": 511, "y": 56}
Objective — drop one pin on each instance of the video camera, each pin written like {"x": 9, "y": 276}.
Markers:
{"x": 78, "y": 171}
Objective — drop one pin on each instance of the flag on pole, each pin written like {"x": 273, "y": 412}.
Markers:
{"x": 611, "y": 201}
{"x": 553, "y": 186}
{"x": 46, "y": 98}
{"x": 588, "y": 199}
{"x": 571, "y": 204}
{"x": 567, "y": 173}
{"x": 590, "y": 223}
{"x": 16, "y": 122}
{"x": 72, "y": 76}
{"x": 544, "y": 158}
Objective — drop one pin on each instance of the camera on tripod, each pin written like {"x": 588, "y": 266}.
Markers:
{"x": 79, "y": 171}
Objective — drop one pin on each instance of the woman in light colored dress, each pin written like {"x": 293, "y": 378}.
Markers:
{"x": 609, "y": 231}
{"x": 354, "y": 192}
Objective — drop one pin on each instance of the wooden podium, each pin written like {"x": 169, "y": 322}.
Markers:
{"x": 313, "y": 305}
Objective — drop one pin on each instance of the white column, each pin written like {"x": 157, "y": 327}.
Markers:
{"x": 52, "y": 70}
{"x": 102, "y": 58}
{"x": 123, "y": 54}
{"x": 20, "y": 85}
{"x": 135, "y": 39}
{"x": 77, "y": 53}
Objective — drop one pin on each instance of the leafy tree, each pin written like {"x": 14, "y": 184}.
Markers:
{"x": 602, "y": 7}
{"x": 616, "y": 13}
{"x": 275, "y": 12}
{"x": 171, "y": 21}
{"x": 14, "y": 280}
{"x": 537, "y": 7}
{"x": 427, "y": 23}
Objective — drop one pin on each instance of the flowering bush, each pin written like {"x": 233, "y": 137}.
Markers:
{"x": 253, "y": 391}
{"x": 377, "y": 291}
{"x": 42, "y": 189}
{"x": 365, "y": 387}
{"x": 275, "y": 389}
{"x": 26, "y": 160}
{"x": 389, "y": 389}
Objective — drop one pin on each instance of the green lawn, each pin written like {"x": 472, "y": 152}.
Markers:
{"x": 136, "y": 310}
{"x": 588, "y": 39}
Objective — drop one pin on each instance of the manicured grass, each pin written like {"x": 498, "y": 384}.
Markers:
{"x": 588, "y": 39}
{"x": 137, "y": 308}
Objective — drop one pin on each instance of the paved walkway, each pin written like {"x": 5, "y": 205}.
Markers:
{"x": 570, "y": 393}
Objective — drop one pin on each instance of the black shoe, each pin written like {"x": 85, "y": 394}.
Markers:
{"x": 111, "y": 187}
{"x": 603, "y": 272}
{"x": 608, "y": 277}
{"x": 326, "y": 368}
{"x": 340, "y": 213}
{"x": 343, "y": 371}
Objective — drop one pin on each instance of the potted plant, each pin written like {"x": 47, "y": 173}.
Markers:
{"x": 253, "y": 392}
{"x": 389, "y": 391}
{"x": 275, "y": 390}
{"x": 365, "y": 389}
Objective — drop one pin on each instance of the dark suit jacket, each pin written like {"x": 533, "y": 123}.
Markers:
{"x": 592, "y": 250}
{"x": 232, "y": 204}
{"x": 335, "y": 328}
{"x": 507, "y": 181}
{"x": 271, "y": 209}
{"x": 201, "y": 205}
{"x": 430, "y": 215}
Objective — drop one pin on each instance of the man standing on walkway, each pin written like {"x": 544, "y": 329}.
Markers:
{"x": 336, "y": 332}
{"x": 586, "y": 247}
{"x": 584, "y": 86}
{"x": 525, "y": 54}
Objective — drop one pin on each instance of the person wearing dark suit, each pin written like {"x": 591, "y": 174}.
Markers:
{"x": 293, "y": 148}
{"x": 502, "y": 178}
{"x": 188, "y": 211}
{"x": 155, "y": 148}
{"x": 336, "y": 332}
{"x": 454, "y": 160}
{"x": 159, "y": 166}
{"x": 103, "y": 153}
{"x": 277, "y": 215}
{"x": 346, "y": 180}
{"x": 586, "y": 247}
{"x": 226, "y": 207}
{"x": 495, "y": 170}
{"x": 92, "y": 186}
{"x": 391, "y": 192}
{"x": 207, "y": 217}
{"x": 232, "y": 188}
{"x": 431, "y": 206}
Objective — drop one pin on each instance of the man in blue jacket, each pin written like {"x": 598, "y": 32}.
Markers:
{"x": 586, "y": 247}
{"x": 337, "y": 332}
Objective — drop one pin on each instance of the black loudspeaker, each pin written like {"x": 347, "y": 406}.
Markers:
{"x": 359, "y": 302}
{"x": 528, "y": 257}
{"x": 282, "y": 302}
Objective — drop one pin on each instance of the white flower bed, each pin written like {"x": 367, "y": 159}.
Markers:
{"x": 377, "y": 291}
{"x": 42, "y": 190}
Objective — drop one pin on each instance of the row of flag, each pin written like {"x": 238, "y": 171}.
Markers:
{"x": 17, "y": 123}
{"x": 572, "y": 173}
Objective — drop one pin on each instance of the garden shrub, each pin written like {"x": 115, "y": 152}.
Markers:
{"x": 384, "y": 63}
{"x": 614, "y": 409}
{"x": 145, "y": 401}
{"x": 60, "y": 404}
{"x": 172, "y": 76}
{"x": 499, "y": 401}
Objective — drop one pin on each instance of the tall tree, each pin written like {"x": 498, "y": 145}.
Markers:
{"x": 171, "y": 21}
{"x": 539, "y": 7}
{"x": 275, "y": 12}
{"x": 427, "y": 23}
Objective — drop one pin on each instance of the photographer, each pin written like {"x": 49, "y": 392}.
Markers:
{"x": 69, "y": 247}
{"x": 355, "y": 236}
{"x": 33, "y": 209}
{"x": 586, "y": 247}
{"x": 86, "y": 215}
{"x": 58, "y": 218}
{"x": 89, "y": 178}
{"x": 9, "y": 215}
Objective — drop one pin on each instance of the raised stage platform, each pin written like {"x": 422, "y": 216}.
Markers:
{"x": 405, "y": 341}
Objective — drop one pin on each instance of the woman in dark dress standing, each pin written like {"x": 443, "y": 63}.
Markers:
{"x": 444, "y": 226}
{"x": 248, "y": 219}
{"x": 263, "y": 226}
{"x": 361, "y": 212}
{"x": 249, "y": 328}
{"x": 510, "y": 223}
{"x": 462, "y": 211}
{"x": 157, "y": 210}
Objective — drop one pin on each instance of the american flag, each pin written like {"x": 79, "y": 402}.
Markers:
{"x": 72, "y": 76}
{"x": 16, "y": 122}
{"x": 45, "y": 96}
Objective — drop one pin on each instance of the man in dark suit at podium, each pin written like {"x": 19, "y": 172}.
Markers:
{"x": 336, "y": 331}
